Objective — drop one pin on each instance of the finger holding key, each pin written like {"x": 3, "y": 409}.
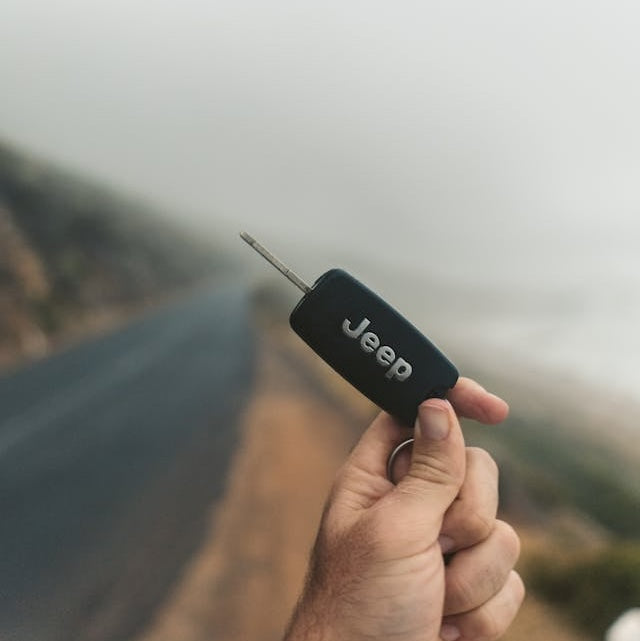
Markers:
{"x": 469, "y": 400}
{"x": 472, "y": 516}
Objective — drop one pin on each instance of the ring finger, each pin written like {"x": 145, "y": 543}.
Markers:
{"x": 475, "y": 574}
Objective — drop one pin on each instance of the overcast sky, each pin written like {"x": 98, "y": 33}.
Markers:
{"x": 410, "y": 130}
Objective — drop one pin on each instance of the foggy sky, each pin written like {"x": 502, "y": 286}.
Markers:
{"x": 437, "y": 134}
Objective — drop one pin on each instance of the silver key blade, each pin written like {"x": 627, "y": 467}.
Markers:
{"x": 279, "y": 265}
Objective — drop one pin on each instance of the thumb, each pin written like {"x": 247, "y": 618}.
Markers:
{"x": 436, "y": 471}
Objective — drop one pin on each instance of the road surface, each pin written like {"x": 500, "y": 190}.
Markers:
{"x": 110, "y": 454}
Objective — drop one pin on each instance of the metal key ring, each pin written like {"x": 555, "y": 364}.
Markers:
{"x": 394, "y": 455}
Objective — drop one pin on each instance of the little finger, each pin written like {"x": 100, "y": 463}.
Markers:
{"x": 490, "y": 620}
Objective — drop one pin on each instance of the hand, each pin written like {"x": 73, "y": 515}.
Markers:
{"x": 377, "y": 571}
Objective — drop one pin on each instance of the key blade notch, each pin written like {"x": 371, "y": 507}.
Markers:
{"x": 278, "y": 264}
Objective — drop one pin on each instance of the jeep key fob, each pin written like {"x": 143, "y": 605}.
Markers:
{"x": 367, "y": 341}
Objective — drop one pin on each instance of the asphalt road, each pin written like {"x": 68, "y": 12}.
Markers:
{"x": 110, "y": 454}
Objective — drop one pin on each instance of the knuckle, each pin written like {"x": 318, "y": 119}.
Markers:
{"x": 460, "y": 593}
{"x": 477, "y": 525}
{"x": 473, "y": 521}
{"x": 520, "y": 590}
{"x": 489, "y": 627}
{"x": 331, "y": 518}
{"x": 491, "y": 620}
{"x": 471, "y": 525}
{"x": 508, "y": 538}
{"x": 433, "y": 469}
{"x": 483, "y": 458}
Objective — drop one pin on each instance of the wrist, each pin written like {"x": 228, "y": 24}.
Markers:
{"x": 312, "y": 621}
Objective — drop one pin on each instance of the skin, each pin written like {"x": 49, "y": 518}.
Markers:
{"x": 378, "y": 569}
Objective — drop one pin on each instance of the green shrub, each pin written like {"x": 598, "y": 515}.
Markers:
{"x": 590, "y": 589}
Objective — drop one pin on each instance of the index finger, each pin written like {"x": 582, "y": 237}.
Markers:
{"x": 471, "y": 400}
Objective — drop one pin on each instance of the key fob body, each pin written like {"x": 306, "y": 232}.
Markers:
{"x": 371, "y": 345}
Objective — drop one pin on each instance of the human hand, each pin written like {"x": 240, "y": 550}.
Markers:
{"x": 377, "y": 569}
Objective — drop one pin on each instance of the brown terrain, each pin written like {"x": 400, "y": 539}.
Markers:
{"x": 24, "y": 279}
{"x": 26, "y": 285}
{"x": 244, "y": 581}
{"x": 77, "y": 258}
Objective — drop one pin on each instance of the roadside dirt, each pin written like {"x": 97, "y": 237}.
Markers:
{"x": 244, "y": 582}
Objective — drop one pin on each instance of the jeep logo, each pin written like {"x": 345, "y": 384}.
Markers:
{"x": 399, "y": 369}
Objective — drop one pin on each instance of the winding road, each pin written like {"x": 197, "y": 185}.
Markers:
{"x": 110, "y": 455}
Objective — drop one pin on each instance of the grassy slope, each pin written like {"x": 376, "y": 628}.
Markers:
{"x": 559, "y": 469}
{"x": 70, "y": 249}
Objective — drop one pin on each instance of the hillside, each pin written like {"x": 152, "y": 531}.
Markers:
{"x": 74, "y": 255}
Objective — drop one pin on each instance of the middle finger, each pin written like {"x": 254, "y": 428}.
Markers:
{"x": 471, "y": 517}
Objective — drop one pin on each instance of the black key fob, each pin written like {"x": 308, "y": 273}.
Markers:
{"x": 371, "y": 345}
{"x": 368, "y": 342}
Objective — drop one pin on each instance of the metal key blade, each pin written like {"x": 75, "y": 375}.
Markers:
{"x": 279, "y": 265}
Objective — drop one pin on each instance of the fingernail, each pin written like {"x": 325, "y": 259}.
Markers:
{"x": 433, "y": 420}
{"x": 446, "y": 543}
{"x": 449, "y": 632}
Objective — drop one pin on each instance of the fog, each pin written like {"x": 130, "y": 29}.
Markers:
{"x": 493, "y": 144}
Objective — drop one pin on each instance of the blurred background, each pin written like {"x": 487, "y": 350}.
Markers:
{"x": 166, "y": 443}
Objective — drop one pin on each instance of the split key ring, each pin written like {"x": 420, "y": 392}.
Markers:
{"x": 394, "y": 455}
